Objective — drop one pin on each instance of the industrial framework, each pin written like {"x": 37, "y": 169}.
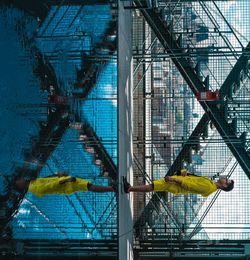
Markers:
{"x": 74, "y": 60}
{"x": 180, "y": 49}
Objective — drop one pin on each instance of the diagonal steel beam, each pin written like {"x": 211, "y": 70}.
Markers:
{"x": 44, "y": 215}
{"x": 49, "y": 137}
{"x": 51, "y": 134}
{"x": 100, "y": 151}
{"x": 88, "y": 74}
{"x": 87, "y": 77}
{"x": 225, "y": 90}
{"x": 233, "y": 77}
{"x": 164, "y": 35}
{"x": 154, "y": 202}
{"x": 89, "y": 214}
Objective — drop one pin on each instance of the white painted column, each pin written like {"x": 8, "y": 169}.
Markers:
{"x": 125, "y": 141}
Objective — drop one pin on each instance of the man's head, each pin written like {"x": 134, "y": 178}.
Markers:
{"x": 225, "y": 184}
{"x": 21, "y": 183}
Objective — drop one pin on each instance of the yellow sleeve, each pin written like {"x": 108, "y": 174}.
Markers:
{"x": 34, "y": 188}
{"x": 43, "y": 186}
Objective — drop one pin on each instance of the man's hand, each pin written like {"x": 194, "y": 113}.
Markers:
{"x": 184, "y": 172}
{"x": 171, "y": 179}
{"x": 70, "y": 179}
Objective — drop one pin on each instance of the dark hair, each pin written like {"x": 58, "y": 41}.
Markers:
{"x": 15, "y": 179}
{"x": 229, "y": 186}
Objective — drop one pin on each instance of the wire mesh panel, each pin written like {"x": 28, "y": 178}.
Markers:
{"x": 190, "y": 40}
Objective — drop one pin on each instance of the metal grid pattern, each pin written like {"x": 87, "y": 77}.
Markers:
{"x": 211, "y": 40}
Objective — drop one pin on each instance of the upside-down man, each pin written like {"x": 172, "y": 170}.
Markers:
{"x": 60, "y": 183}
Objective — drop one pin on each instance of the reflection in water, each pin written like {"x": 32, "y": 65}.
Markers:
{"x": 64, "y": 61}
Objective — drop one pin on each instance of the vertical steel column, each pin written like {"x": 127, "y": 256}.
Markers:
{"x": 125, "y": 141}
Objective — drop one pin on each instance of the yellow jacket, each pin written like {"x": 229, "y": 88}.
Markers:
{"x": 51, "y": 185}
{"x": 190, "y": 184}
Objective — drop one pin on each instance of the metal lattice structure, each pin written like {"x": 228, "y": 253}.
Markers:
{"x": 69, "y": 117}
{"x": 182, "y": 48}
{"x": 70, "y": 133}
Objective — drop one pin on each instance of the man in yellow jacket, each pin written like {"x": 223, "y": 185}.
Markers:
{"x": 60, "y": 183}
{"x": 184, "y": 184}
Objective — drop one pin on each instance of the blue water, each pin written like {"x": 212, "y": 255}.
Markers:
{"x": 20, "y": 98}
{"x": 66, "y": 31}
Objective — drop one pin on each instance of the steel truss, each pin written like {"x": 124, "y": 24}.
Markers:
{"x": 225, "y": 90}
{"x": 164, "y": 35}
{"x": 216, "y": 112}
